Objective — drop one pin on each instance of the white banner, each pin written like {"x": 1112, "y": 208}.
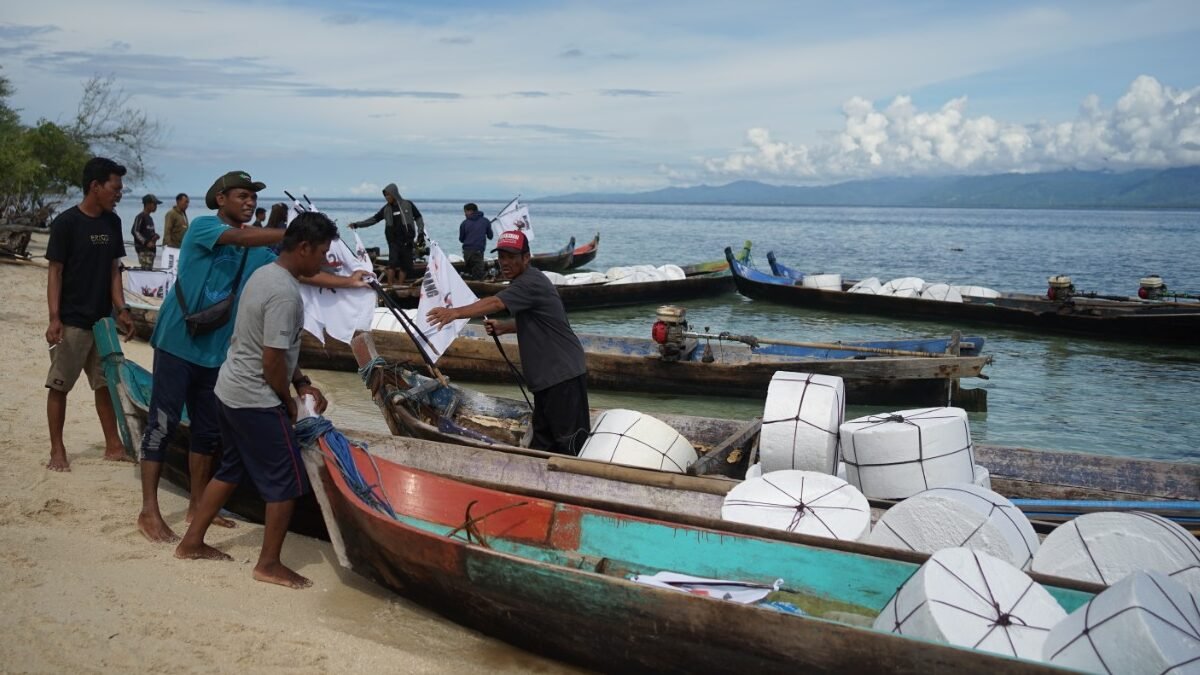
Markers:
{"x": 167, "y": 259}
{"x": 441, "y": 287}
{"x": 149, "y": 283}
{"x": 514, "y": 218}
{"x": 340, "y": 312}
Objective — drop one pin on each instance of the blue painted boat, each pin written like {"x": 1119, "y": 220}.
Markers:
{"x": 557, "y": 578}
{"x": 1110, "y": 317}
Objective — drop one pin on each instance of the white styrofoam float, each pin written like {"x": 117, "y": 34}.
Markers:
{"x": 941, "y": 293}
{"x": 1107, "y": 546}
{"x": 556, "y": 278}
{"x": 671, "y": 273}
{"x": 1145, "y": 623}
{"x": 954, "y": 516}
{"x": 904, "y": 287}
{"x": 868, "y": 286}
{"x": 801, "y": 418}
{"x": 754, "y": 470}
{"x": 583, "y": 278}
{"x": 636, "y": 277}
{"x": 896, "y": 455}
{"x": 970, "y": 599}
{"x": 983, "y": 477}
{"x": 977, "y": 292}
{"x": 631, "y": 438}
{"x": 806, "y": 502}
{"x": 822, "y": 282}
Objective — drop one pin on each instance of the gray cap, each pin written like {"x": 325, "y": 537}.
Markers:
{"x": 151, "y": 198}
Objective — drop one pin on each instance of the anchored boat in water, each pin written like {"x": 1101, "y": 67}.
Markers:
{"x": 1062, "y": 310}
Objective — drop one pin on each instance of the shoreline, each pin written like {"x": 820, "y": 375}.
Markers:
{"x": 84, "y": 592}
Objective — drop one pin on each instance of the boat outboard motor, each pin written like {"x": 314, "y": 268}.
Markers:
{"x": 1152, "y": 287}
{"x": 669, "y": 331}
{"x": 1061, "y": 288}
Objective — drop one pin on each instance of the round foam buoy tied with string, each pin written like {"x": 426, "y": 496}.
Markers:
{"x": 806, "y": 502}
{"x": 896, "y": 455}
{"x": 822, "y": 282}
{"x": 868, "y": 286}
{"x": 977, "y": 292}
{"x": 1145, "y": 623}
{"x": 970, "y": 599}
{"x": 955, "y": 516}
{"x": 801, "y": 418}
{"x": 1107, "y": 546}
{"x": 904, "y": 287}
{"x": 671, "y": 272}
{"x": 632, "y": 438}
{"x": 941, "y": 293}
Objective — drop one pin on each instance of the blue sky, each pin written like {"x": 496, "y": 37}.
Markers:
{"x": 462, "y": 99}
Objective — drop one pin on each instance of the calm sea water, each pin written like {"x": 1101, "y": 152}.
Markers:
{"x": 1051, "y": 392}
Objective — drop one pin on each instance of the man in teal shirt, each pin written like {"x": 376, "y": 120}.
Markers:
{"x": 185, "y": 364}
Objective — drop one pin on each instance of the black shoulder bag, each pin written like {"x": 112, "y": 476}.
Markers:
{"x": 216, "y": 315}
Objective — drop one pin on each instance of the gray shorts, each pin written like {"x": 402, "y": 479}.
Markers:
{"x": 76, "y": 353}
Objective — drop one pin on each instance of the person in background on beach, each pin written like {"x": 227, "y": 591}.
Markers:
{"x": 404, "y": 229}
{"x": 260, "y": 215}
{"x": 255, "y": 408}
{"x": 145, "y": 239}
{"x": 84, "y": 286}
{"x": 217, "y": 251}
{"x": 474, "y": 232}
{"x": 176, "y": 222}
{"x": 277, "y": 220}
{"x": 551, "y": 356}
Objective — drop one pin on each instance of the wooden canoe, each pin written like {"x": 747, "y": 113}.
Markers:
{"x": 694, "y": 499}
{"x": 586, "y": 253}
{"x": 1099, "y": 317}
{"x": 702, "y": 280}
{"x": 555, "y": 578}
{"x": 633, "y": 364}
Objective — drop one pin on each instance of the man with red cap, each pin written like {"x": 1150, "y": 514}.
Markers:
{"x": 551, "y": 357}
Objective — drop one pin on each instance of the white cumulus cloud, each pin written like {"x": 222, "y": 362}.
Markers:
{"x": 365, "y": 188}
{"x": 1151, "y": 125}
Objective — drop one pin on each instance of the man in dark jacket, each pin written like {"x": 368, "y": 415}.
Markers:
{"x": 474, "y": 233}
{"x": 145, "y": 239}
{"x": 404, "y": 228}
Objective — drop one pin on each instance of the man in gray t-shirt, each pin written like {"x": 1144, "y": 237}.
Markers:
{"x": 256, "y": 410}
{"x": 551, "y": 357}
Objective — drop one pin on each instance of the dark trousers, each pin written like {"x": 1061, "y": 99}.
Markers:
{"x": 400, "y": 253}
{"x": 179, "y": 383}
{"x": 474, "y": 263}
{"x": 561, "y": 420}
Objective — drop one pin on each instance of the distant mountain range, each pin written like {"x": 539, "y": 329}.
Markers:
{"x": 1147, "y": 188}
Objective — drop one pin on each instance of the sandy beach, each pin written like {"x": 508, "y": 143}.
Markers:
{"x": 83, "y": 592}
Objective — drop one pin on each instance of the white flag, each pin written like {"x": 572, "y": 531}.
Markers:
{"x": 340, "y": 312}
{"x": 441, "y": 287}
{"x": 514, "y": 218}
{"x": 149, "y": 283}
{"x": 167, "y": 259}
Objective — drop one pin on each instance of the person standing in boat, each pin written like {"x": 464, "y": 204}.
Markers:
{"x": 255, "y": 409}
{"x": 83, "y": 286}
{"x": 474, "y": 232}
{"x": 404, "y": 229}
{"x": 551, "y": 356}
{"x": 192, "y": 334}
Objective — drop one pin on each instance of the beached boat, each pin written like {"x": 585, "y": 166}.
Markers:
{"x": 695, "y": 499}
{"x": 416, "y": 406}
{"x": 559, "y": 579}
{"x": 586, "y": 253}
{"x": 1093, "y": 316}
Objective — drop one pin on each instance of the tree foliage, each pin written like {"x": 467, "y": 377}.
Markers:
{"x": 41, "y": 165}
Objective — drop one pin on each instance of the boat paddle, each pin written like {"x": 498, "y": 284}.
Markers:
{"x": 836, "y": 346}
{"x": 516, "y": 373}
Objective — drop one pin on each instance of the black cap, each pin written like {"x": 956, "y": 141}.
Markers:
{"x": 230, "y": 181}
{"x": 148, "y": 199}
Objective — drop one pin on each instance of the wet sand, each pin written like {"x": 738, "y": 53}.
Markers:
{"x": 82, "y": 591}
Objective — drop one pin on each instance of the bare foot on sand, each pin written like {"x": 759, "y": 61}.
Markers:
{"x": 58, "y": 460}
{"x": 219, "y": 521}
{"x": 200, "y": 552}
{"x": 118, "y": 455}
{"x": 276, "y": 573}
{"x": 155, "y": 529}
